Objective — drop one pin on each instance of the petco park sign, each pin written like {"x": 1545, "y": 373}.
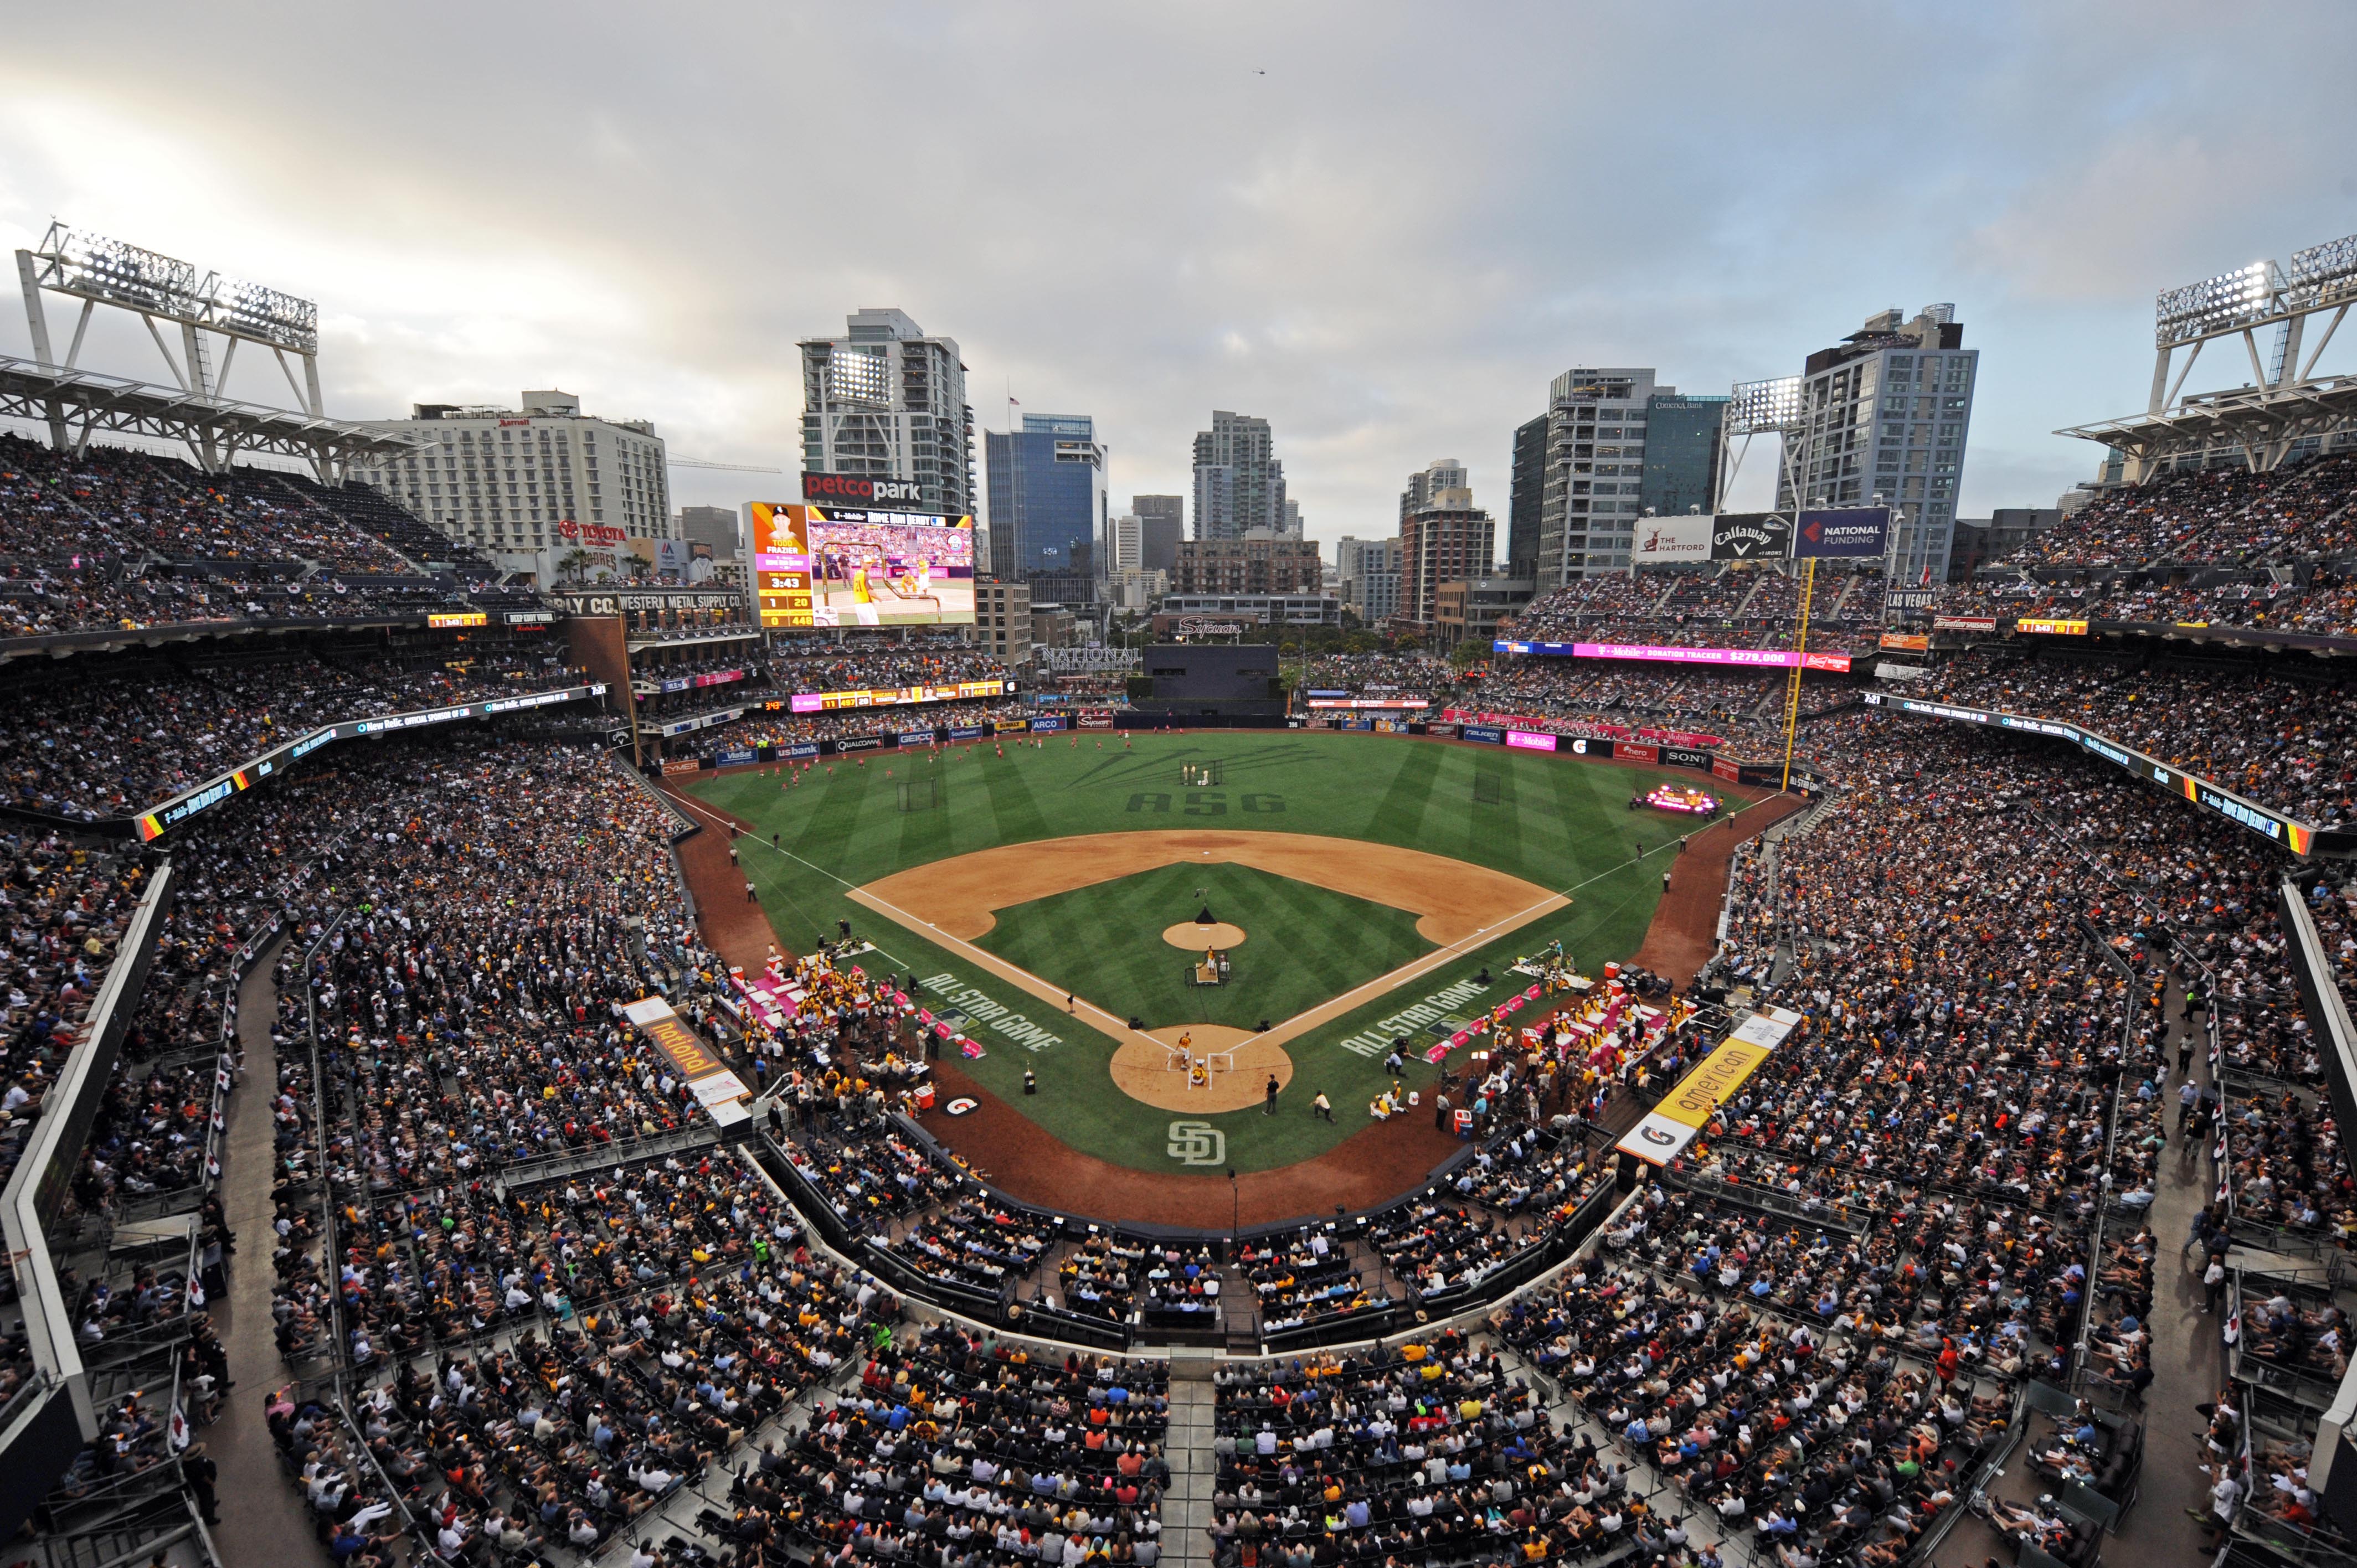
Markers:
{"x": 841, "y": 488}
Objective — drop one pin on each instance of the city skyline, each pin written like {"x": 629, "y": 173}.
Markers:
{"x": 609, "y": 223}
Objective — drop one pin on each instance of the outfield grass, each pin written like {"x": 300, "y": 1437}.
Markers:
{"x": 1302, "y": 944}
{"x": 1560, "y": 823}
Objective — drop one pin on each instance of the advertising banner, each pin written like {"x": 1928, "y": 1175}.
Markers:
{"x": 1752, "y": 536}
{"x": 1447, "y": 731}
{"x": 1370, "y": 702}
{"x": 1096, "y": 721}
{"x": 968, "y": 732}
{"x": 1047, "y": 722}
{"x": 1906, "y": 641}
{"x": 1742, "y": 658}
{"x": 801, "y": 750}
{"x": 1682, "y": 1114}
{"x": 1908, "y": 598}
{"x": 916, "y": 737}
{"x": 897, "y": 696}
{"x": 1679, "y": 756}
{"x": 707, "y": 1076}
{"x": 1009, "y": 726}
{"x": 679, "y": 765}
{"x": 1848, "y": 532}
{"x": 1631, "y": 751}
{"x": 1964, "y": 623}
{"x": 732, "y": 758}
{"x": 859, "y": 742}
{"x": 1528, "y": 741}
{"x": 1485, "y": 734}
{"x": 1672, "y": 541}
{"x": 1725, "y": 768}
{"x": 442, "y": 620}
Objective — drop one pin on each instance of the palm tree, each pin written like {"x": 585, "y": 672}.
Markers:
{"x": 574, "y": 561}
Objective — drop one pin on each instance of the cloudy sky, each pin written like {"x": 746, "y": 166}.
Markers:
{"x": 1382, "y": 227}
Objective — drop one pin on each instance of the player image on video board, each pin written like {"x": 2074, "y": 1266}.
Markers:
{"x": 827, "y": 567}
{"x": 906, "y": 571}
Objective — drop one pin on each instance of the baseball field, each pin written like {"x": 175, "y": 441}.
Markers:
{"x": 1046, "y": 896}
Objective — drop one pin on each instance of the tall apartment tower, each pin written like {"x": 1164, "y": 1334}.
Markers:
{"x": 1612, "y": 446}
{"x": 1527, "y": 498}
{"x": 1444, "y": 538}
{"x": 1161, "y": 524}
{"x": 1047, "y": 498}
{"x": 1239, "y": 482}
{"x": 1367, "y": 576}
{"x": 1885, "y": 411}
{"x": 886, "y": 401}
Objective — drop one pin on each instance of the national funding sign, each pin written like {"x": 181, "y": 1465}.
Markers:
{"x": 1680, "y": 1118}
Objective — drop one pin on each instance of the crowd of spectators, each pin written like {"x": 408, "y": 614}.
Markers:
{"x": 871, "y": 663}
{"x": 113, "y": 539}
{"x": 113, "y": 741}
{"x": 2285, "y": 741}
{"x": 1428, "y": 1451}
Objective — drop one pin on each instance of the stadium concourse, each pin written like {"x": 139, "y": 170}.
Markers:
{"x": 385, "y": 1234}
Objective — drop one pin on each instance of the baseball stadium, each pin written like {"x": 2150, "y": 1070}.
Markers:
{"x": 1125, "y": 936}
{"x": 844, "y": 1031}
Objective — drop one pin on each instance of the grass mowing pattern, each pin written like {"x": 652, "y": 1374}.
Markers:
{"x": 1562, "y": 823}
{"x": 1302, "y": 944}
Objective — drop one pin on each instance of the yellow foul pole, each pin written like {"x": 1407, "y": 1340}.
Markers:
{"x": 1801, "y": 650}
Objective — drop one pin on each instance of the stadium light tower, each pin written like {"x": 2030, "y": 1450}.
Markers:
{"x": 1762, "y": 408}
{"x": 2240, "y": 302}
{"x": 159, "y": 288}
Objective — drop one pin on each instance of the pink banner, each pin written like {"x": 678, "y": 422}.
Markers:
{"x": 1748, "y": 658}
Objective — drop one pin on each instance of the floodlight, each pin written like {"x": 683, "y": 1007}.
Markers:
{"x": 2326, "y": 274}
{"x": 858, "y": 375}
{"x": 1764, "y": 405}
{"x": 266, "y": 314}
{"x": 2217, "y": 305}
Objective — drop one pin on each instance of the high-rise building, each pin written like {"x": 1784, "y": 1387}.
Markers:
{"x": 1239, "y": 482}
{"x": 1161, "y": 524}
{"x": 1129, "y": 542}
{"x": 1885, "y": 413}
{"x": 1616, "y": 444}
{"x": 1291, "y": 526}
{"x": 1047, "y": 500}
{"x": 531, "y": 484}
{"x": 886, "y": 401}
{"x": 1682, "y": 451}
{"x": 1443, "y": 537}
{"x": 1367, "y": 576}
{"x": 714, "y": 527}
{"x": 1527, "y": 498}
{"x": 1265, "y": 564}
{"x": 1002, "y": 620}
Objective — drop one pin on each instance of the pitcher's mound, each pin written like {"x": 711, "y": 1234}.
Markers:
{"x": 1138, "y": 1069}
{"x": 1195, "y": 938}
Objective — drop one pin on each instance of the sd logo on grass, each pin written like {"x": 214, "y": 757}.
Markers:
{"x": 1197, "y": 1143}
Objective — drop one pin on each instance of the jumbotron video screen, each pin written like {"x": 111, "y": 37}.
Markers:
{"x": 831, "y": 566}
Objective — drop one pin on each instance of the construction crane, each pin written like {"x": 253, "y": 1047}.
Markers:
{"x": 726, "y": 468}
